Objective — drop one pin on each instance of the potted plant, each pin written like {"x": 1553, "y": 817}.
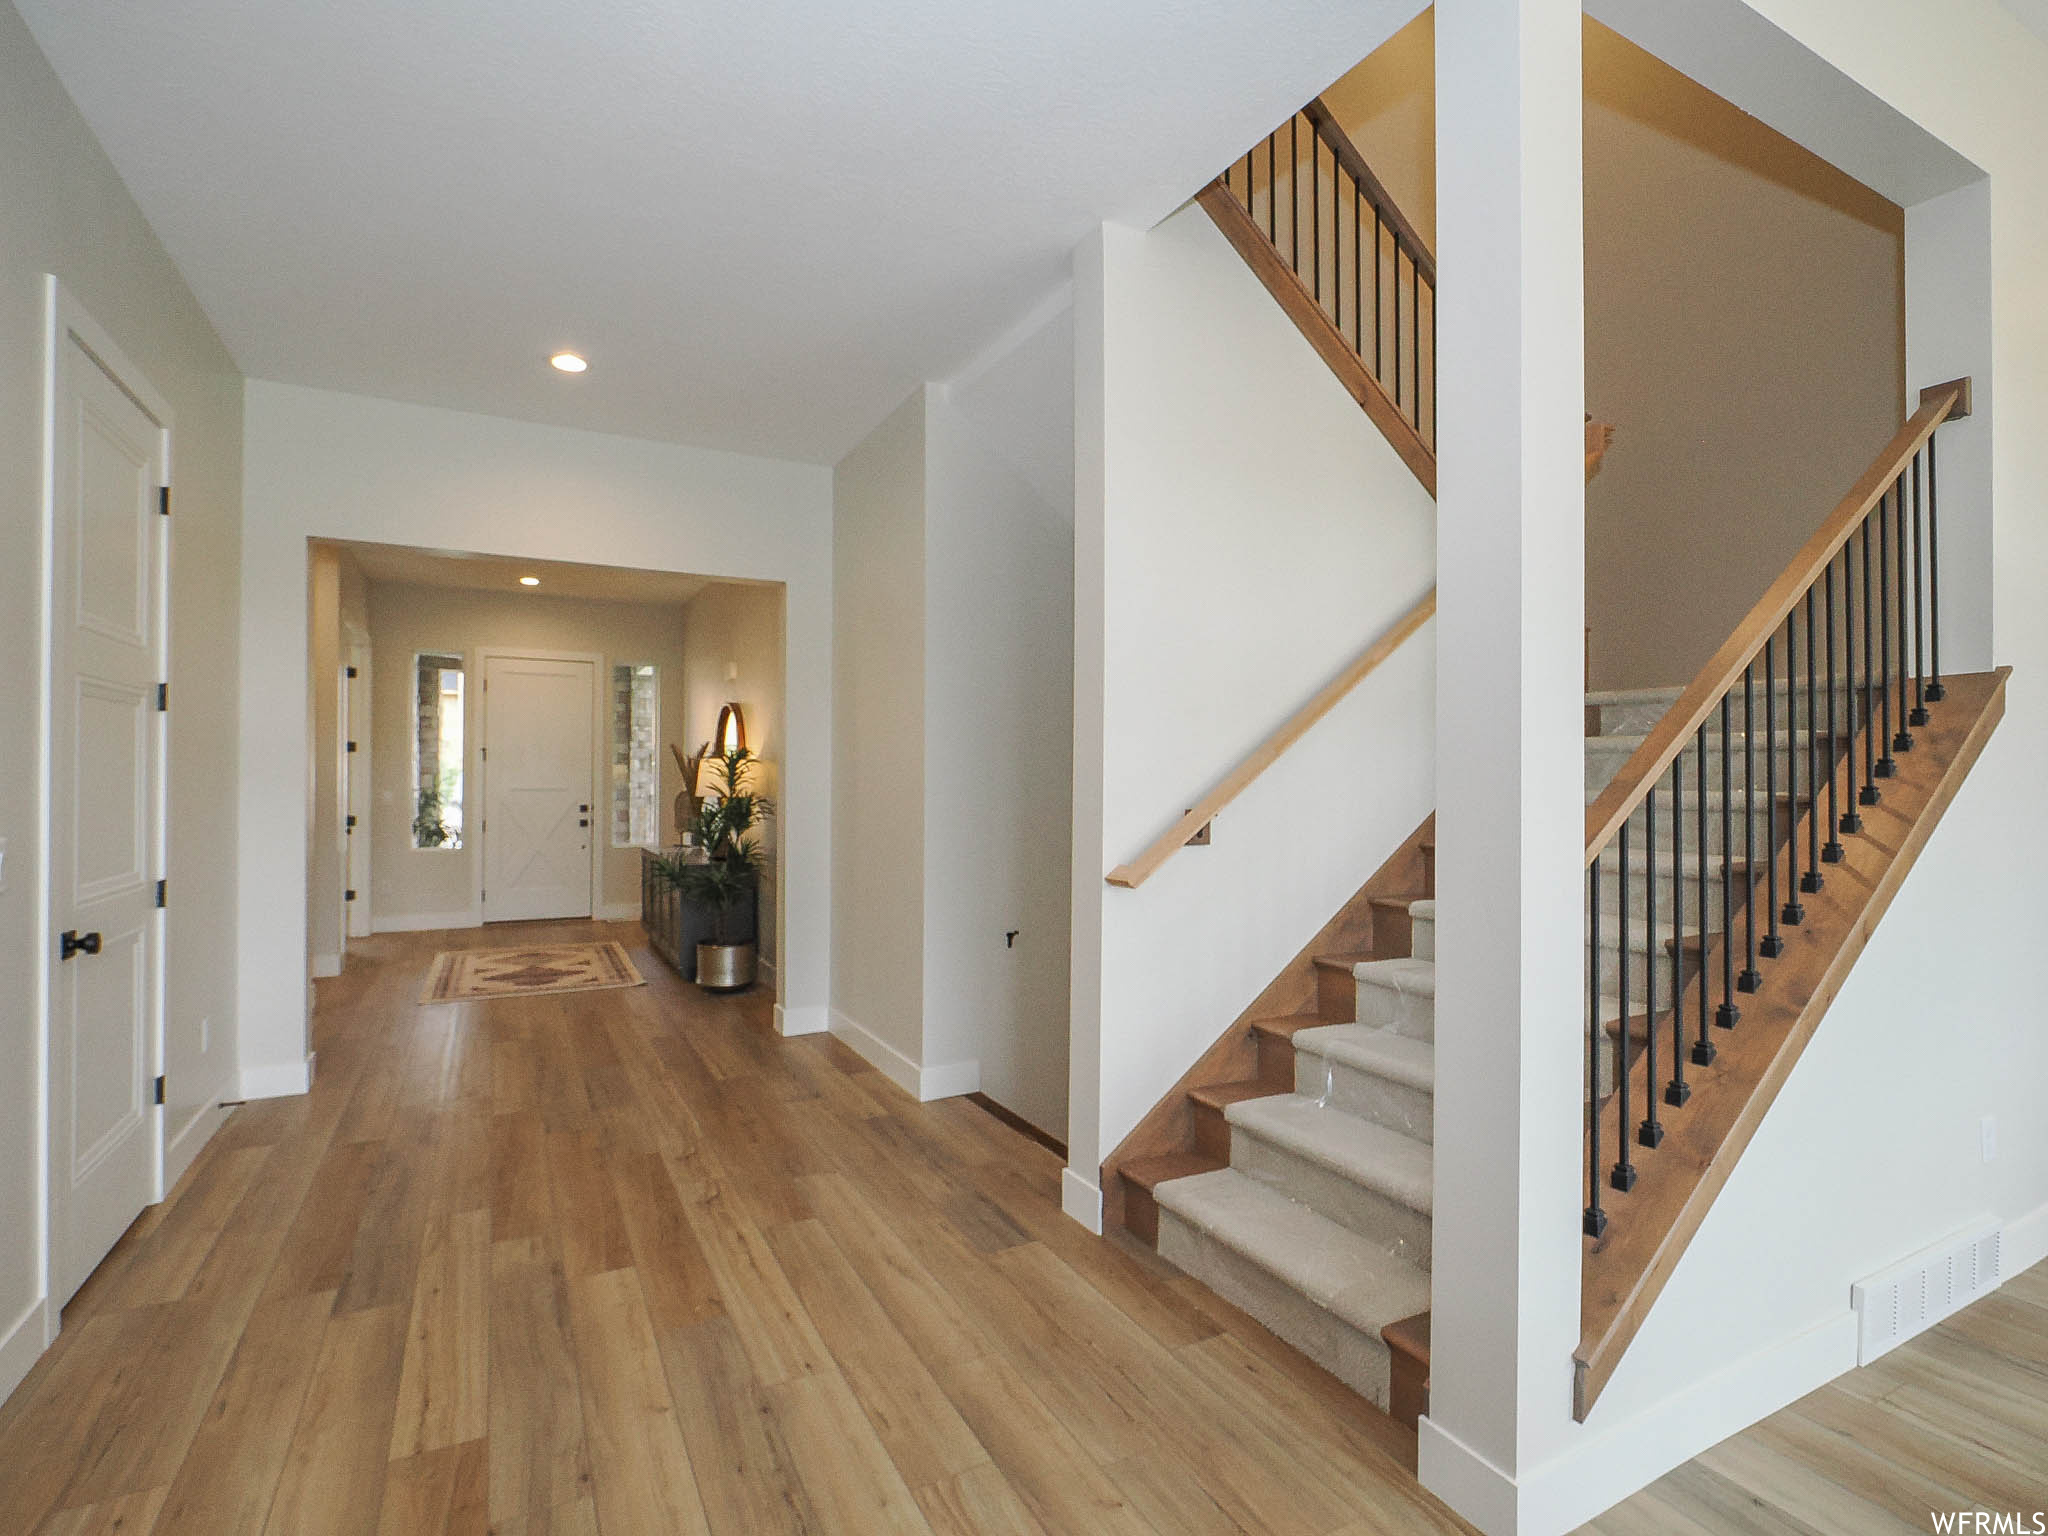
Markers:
{"x": 720, "y": 876}
{"x": 428, "y": 829}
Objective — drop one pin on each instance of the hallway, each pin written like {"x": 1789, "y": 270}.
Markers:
{"x": 626, "y": 1262}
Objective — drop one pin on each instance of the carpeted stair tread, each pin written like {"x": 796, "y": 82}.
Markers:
{"x": 1359, "y": 1282}
{"x": 1369, "y": 1155}
{"x": 1397, "y": 1058}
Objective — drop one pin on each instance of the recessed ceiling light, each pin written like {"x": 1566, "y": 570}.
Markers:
{"x": 529, "y": 581}
{"x": 569, "y": 362}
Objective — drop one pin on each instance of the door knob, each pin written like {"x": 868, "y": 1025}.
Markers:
{"x": 70, "y": 943}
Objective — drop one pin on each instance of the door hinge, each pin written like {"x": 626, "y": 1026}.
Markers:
{"x": 351, "y": 824}
{"x": 348, "y": 895}
{"x": 159, "y": 1090}
{"x": 351, "y": 746}
{"x": 163, "y": 697}
{"x": 163, "y": 500}
{"x": 351, "y": 671}
{"x": 162, "y": 887}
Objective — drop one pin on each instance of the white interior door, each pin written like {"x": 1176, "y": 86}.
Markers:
{"x": 105, "y": 813}
{"x": 355, "y": 791}
{"x": 539, "y": 715}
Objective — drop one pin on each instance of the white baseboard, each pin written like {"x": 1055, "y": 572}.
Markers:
{"x": 327, "y": 965}
{"x": 280, "y": 1081}
{"x": 1082, "y": 1200}
{"x": 185, "y": 1143}
{"x": 22, "y": 1345}
{"x": 427, "y": 922}
{"x": 619, "y": 912}
{"x": 808, "y": 1019}
{"x": 1604, "y": 1466}
{"x": 945, "y": 1081}
{"x": 2024, "y": 1242}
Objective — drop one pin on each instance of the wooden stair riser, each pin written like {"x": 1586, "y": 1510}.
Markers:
{"x": 1336, "y": 993}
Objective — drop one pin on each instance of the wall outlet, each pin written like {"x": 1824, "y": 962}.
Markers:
{"x": 1988, "y": 1130}
{"x": 205, "y": 1035}
{"x": 3, "y": 863}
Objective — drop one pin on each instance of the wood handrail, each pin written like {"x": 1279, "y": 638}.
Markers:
{"x": 1134, "y": 874}
{"x": 1647, "y": 763}
{"x": 1406, "y": 235}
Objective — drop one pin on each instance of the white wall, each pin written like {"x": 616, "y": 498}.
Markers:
{"x": 68, "y": 214}
{"x": 954, "y": 585}
{"x": 730, "y": 623}
{"x": 437, "y": 887}
{"x": 999, "y": 587}
{"x": 878, "y": 748}
{"x": 335, "y": 466}
{"x": 1242, "y": 532}
{"x": 1872, "y": 1149}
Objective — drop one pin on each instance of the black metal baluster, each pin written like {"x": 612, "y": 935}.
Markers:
{"x": 1813, "y": 880}
{"x": 1919, "y": 715}
{"x": 1886, "y": 765}
{"x": 1749, "y": 980}
{"x": 1858, "y": 703}
{"x": 1935, "y": 692}
{"x": 1902, "y": 741}
{"x": 1831, "y": 850}
{"x": 1294, "y": 191}
{"x": 1772, "y": 945}
{"x": 1379, "y": 345}
{"x": 1432, "y": 373}
{"x": 1315, "y": 208}
{"x": 1397, "y": 321}
{"x": 1649, "y": 1133}
{"x": 1415, "y": 325}
{"x": 1727, "y": 1014}
{"x": 1596, "y": 1219}
{"x": 1703, "y": 1048}
{"x": 1793, "y": 913}
{"x": 1677, "y": 1091}
{"x": 1357, "y": 270}
{"x": 1866, "y": 723}
{"x": 1624, "y": 1176}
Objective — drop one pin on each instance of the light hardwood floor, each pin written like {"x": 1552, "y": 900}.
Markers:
{"x": 1955, "y": 1419}
{"x": 625, "y": 1262}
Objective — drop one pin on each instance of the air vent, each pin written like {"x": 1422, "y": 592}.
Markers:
{"x": 1919, "y": 1292}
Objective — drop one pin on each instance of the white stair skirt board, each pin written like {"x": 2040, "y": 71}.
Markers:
{"x": 945, "y": 1081}
{"x": 426, "y": 922}
{"x": 802, "y": 1019}
{"x": 278, "y": 1081}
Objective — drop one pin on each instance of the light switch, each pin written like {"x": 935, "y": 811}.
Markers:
{"x": 3, "y": 863}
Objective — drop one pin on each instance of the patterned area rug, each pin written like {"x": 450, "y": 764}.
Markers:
{"x": 466, "y": 975}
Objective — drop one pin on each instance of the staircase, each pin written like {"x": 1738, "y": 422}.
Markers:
{"x": 1744, "y": 834}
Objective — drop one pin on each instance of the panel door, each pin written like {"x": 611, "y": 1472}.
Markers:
{"x": 538, "y": 776}
{"x": 105, "y": 843}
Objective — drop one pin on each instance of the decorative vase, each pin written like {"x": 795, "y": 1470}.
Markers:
{"x": 725, "y": 967}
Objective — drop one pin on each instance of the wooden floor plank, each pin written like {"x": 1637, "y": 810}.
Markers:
{"x": 444, "y": 1381}
{"x": 640, "y": 1467}
{"x": 333, "y": 1478}
{"x": 746, "y": 1473}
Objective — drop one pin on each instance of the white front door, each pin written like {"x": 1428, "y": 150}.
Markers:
{"x": 538, "y": 773}
{"x": 105, "y": 812}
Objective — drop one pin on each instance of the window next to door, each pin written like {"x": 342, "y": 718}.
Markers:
{"x": 636, "y": 761}
{"x": 437, "y": 751}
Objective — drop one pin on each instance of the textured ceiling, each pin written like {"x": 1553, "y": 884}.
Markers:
{"x": 765, "y": 223}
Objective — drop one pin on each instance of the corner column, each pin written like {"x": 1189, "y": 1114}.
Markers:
{"x": 1510, "y": 749}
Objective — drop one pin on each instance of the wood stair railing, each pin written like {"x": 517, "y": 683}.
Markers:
{"x": 1804, "y": 870}
{"x": 1312, "y": 221}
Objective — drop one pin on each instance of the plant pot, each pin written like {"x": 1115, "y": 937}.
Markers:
{"x": 725, "y": 967}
